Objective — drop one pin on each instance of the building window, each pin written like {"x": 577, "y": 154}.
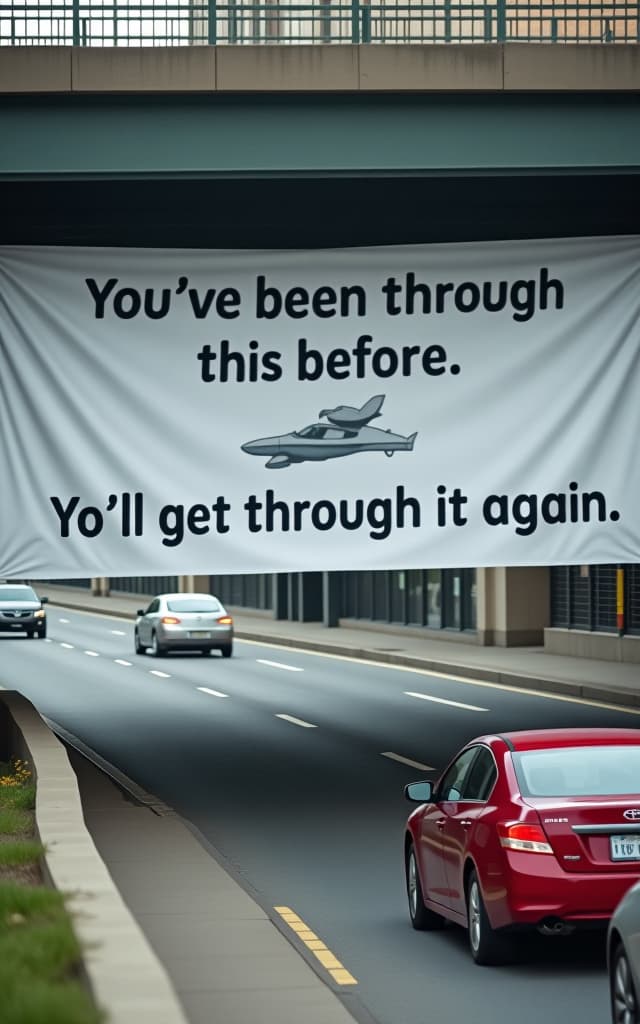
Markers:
{"x": 435, "y": 598}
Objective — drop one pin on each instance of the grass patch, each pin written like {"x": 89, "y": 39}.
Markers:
{"x": 25, "y": 852}
{"x": 14, "y": 821}
{"x": 23, "y": 797}
{"x": 39, "y": 953}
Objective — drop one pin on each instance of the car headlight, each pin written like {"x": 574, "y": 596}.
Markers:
{"x": 40, "y": 614}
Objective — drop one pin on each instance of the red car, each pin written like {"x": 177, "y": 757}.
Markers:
{"x": 536, "y": 829}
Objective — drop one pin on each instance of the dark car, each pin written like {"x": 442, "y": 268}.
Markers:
{"x": 623, "y": 957}
{"x": 21, "y": 610}
{"x": 533, "y": 829}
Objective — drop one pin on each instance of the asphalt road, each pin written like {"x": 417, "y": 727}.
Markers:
{"x": 309, "y": 807}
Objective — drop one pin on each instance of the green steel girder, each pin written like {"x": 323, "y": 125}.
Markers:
{"x": 190, "y": 136}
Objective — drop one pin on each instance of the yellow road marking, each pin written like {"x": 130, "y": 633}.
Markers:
{"x": 338, "y": 972}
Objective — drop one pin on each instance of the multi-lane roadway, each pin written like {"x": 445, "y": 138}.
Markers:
{"x": 292, "y": 764}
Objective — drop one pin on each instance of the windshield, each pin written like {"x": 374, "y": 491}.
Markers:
{"x": 579, "y": 771}
{"x": 18, "y": 594}
{"x": 194, "y": 604}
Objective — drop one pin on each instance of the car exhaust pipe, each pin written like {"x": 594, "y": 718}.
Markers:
{"x": 554, "y": 926}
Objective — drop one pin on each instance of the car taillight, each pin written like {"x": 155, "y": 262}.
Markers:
{"x": 226, "y": 620}
{"x": 523, "y": 837}
{"x": 169, "y": 620}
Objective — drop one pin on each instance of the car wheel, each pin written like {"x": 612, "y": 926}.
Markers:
{"x": 227, "y": 650}
{"x": 42, "y": 632}
{"x": 139, "y": 648}
{"x": 487, "y": 946}
{"x": 624, "y": 1004}
{"x": 157, "y": 649}
{"x": 29, "y": 634}
{"x": 422, "y": 919}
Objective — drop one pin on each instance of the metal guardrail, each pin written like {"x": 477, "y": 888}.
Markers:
{"x": 203, "y": 22}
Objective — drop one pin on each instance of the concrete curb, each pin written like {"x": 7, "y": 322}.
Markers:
{"x": 586, "y": 691}
{"x": 124, "y": 975}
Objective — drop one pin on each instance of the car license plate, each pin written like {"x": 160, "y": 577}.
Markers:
{"x": 625, "y": 847}
{"x": 200, "y": 634}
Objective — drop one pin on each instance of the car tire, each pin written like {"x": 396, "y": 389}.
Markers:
{"x": 227, "y": 650}
{"x": 139, "y": 648}
{"x": 42, "y": 632}
{"x": 157, "y": 650}
{"x": 422, "y": 919}
{"x": 488, "y": 947}
{"x": 624, "y": 1002}
{"x": 30, "y": 634}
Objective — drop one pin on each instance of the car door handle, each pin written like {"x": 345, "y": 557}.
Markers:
{"x": 466, "y": 822}
{"x": 441, "y": 822}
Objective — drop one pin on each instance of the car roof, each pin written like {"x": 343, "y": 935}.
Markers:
{"x": 171, "y": 597}
{"x": 541, "y": 739}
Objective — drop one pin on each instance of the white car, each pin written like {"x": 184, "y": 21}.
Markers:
{"x": 184, "y": 622}
{"x": 623, "y": 956}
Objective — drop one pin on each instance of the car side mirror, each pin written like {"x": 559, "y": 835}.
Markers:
{"x": 140, "y": 611}
{"x": 44, "y": 600}
{"x": 419, "y": 792}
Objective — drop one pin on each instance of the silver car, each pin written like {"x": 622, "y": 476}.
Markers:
{"x": 184, "y": 622}
{"x": 21, "y": 610}
{"x": 623, "y": 957}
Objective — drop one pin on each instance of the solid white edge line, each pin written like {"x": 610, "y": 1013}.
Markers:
{"x": 278, "y": 664}
{"x": 121, "y": 661}
{"x": 214, "y": 693}
{"x": 157, "y": 672}
{"x": 92, "y": 654}
{"x": 441, "y": 700}
{"x": 407, "y": 760}
{"x": 297, "y": 721}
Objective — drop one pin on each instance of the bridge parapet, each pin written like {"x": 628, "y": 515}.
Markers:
{"x": 395, "y": 68}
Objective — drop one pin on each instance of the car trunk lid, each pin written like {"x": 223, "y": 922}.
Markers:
{"x": 592, "y": 835}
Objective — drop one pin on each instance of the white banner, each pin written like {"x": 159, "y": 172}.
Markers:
{"x": 192, "y": 411}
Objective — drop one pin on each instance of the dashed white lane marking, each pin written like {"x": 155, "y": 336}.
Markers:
{"x": 121, "y": 661}
{"x": 278, "y": 664}
{"x": 47, "y": 640}
{"x": 297, "y": 721}
{"x": 441, "y": 700}
{"x": 214, "y": 693}
{"x": 68, "y": 647}
{"x": 156, "y": 672}
{"x": 92, "y": 654}
{"x": 407, "y": 760}
{"x": 63, "y": 620}
{"x": 118, "y": 632}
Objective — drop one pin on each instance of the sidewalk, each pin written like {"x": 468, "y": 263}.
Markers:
{"x": 528, "y": 667}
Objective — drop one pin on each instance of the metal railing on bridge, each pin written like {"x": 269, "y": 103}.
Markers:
{"x": 203, "y": 22}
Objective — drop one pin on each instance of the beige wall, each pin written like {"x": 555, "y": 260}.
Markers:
{"x": 513, "y": 606}
{"x": 417, "y": 67}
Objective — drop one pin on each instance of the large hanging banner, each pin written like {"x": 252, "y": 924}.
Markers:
{"x": 193, "y": 411}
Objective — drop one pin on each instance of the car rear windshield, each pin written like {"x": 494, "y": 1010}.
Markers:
{"x": 194, "y": 604}
{"x": 18, "y": 594}
{"x": 579, "y": 771}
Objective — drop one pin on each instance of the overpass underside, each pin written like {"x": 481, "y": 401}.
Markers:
{"x": 281, "y": 146}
